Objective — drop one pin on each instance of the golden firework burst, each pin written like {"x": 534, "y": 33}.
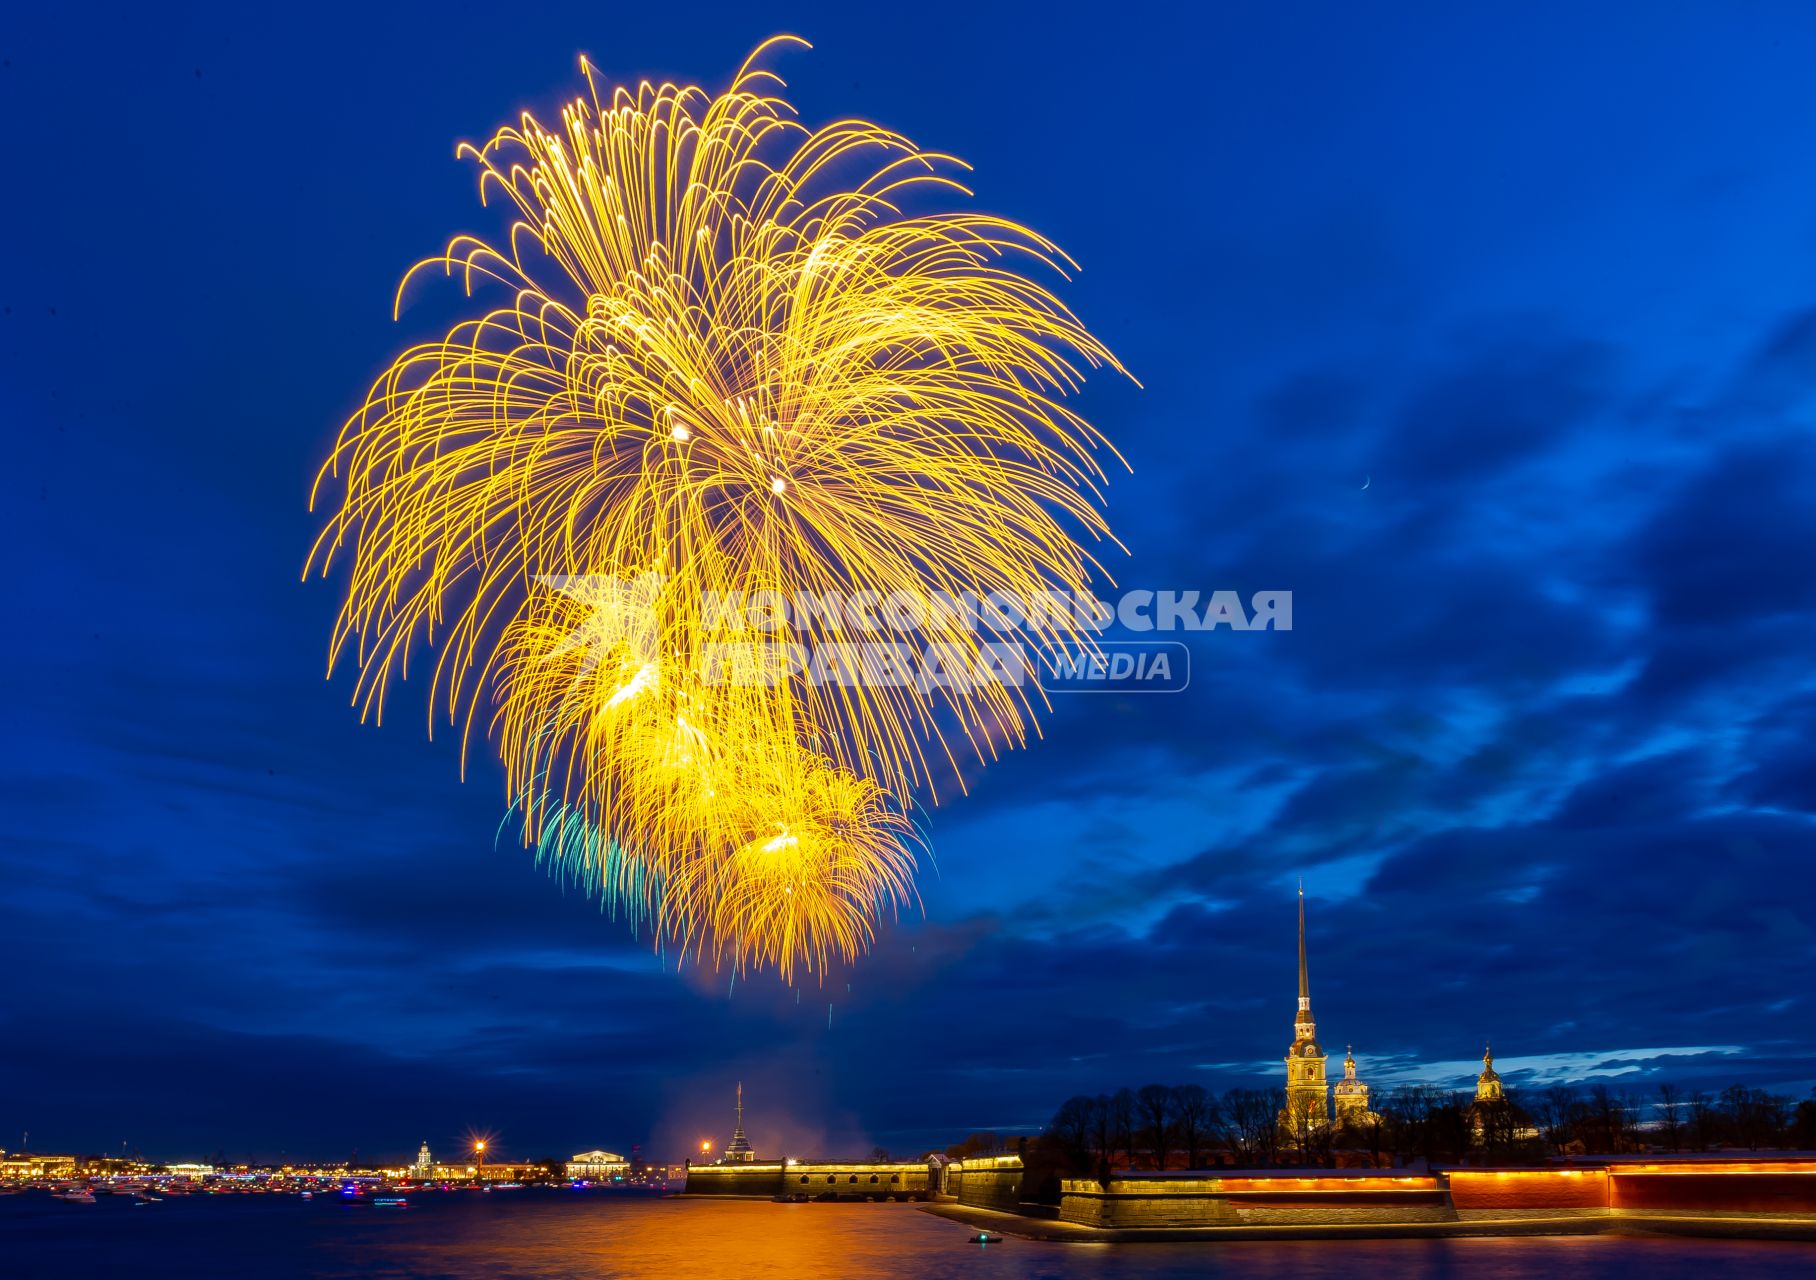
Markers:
{"x": 719, "y": 368}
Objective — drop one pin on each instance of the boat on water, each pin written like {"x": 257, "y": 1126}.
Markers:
{"x": 75, "y": 1195}
{"x": 390, "y": 1202}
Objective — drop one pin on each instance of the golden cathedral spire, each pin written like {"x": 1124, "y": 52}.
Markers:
{"x": 1307, "y": 1093}
{"x": 1305, "y": 984}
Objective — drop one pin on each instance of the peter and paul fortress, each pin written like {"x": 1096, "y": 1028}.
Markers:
{"x": 1752, "y": 1197}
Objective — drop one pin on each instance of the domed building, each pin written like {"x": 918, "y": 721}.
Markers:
{"x": 1488, "y": 1084}
{"x": 1351, "y": 1094}
{"x": 1493, "y": 1116}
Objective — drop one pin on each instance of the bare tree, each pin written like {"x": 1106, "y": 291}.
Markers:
{"x": 1408, "y": 1113}
{"x": 1070, "y": 1130}
{"x": 1671, "y": 1116}
{"x": 1754, "y": 1117}
{"x": 1451, "y": 1130}
{"x": 1306, "y": 1136}
{"x": 1702, "y": 1121}
{"x": 1273, "y": 1101}
{"x": 1498, "y": 1125}
{"x": 1192, "y": 1118}
{"x": 1154, "y": 1107}
{"x": 1245, "y": 1121}
{"x": 1606, "y": 1123}
{"x": 1373, "y": 1131}
{"x": 1103, "y": 1134}
{"x": 1122, "y": 1118}
{"x": 1633, "y": 1107}
{"x": 1559, "y": 1109}
{"x": 1803, "y": 1131}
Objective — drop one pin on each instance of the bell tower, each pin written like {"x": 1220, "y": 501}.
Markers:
{"x": 1307, "y": 1093}
{"x": 1488, "y": 1084}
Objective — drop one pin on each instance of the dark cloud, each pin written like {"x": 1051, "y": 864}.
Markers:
{"x": 1500, "y": 407}
{"x": 1727, "y": 551}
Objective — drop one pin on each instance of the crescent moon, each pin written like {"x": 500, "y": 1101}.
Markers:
{"x": 1367, "y": 480}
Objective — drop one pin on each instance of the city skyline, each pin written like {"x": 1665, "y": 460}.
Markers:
{"x": 1311, "y": 1104}
{"x": 1523, "y": 432}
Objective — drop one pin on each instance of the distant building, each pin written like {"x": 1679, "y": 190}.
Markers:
{"x": 24, "y": 1166}
{"x": 1492, "y": 1116}
{"x": 424, "y": 1161}
{"x": 490, "y": 1171}
{"x": 738, "y": 1150}
{"x": 1488, "y": 1084}
{"x": 591, "y": 1165}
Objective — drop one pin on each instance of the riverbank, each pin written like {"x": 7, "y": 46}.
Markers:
{"x": 995, "y": 1222}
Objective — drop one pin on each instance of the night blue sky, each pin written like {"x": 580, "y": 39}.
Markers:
{"x": 1540, "y": 742}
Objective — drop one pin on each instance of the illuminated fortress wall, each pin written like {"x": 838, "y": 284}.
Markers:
{"x": 818, "y": 1181}
{"x": 1165, "y": 1200}
{"x": 762, "y": 1179}
{"x": 1783, "y": 1191}
{"x": 986, "y": 1182}
{"x": 1522, "y": 1193}
{"x": 810, "y": 1180}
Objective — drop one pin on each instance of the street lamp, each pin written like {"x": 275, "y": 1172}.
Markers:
{"x": 479, "y": 1152}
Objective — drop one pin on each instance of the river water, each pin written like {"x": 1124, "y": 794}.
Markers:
{"x": 550, "y": 1236}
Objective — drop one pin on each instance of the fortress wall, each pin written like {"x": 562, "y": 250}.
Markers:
{"x": 1760, "y": 1189}
{"x": 816, "y": 1180}
{"x": 1766, "y": 1193}
{"x": 1500, "y": 1193}
{"x": 993, "y": 1182}
{"x": 1131, "y": 1201}
{"x": 762, "y": 1180}
{"x": 809, "y": 1180}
